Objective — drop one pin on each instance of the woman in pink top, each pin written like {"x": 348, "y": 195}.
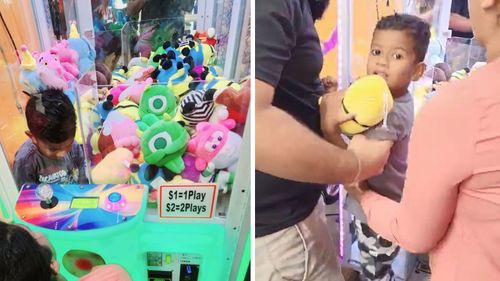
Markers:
{"x": 26, "y": 255}
{"x": 451, "y": 200}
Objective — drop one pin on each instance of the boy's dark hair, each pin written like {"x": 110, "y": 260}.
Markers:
{"x": 51, "y": 116}
{"x": 21, "y": 257}
{"x": 418, "y": 29}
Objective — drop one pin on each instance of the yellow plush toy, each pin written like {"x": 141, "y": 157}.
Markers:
{"x": 370, "y": 99}
{"x": 129, "y": 109}
{"x": 114, "y": 168}
{"x": 88, "y": 117}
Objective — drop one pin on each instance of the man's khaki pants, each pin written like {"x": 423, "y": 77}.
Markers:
{"x": 304, "y": 251}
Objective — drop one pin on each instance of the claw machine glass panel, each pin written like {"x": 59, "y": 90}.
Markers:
{"x": 162, "y": 122}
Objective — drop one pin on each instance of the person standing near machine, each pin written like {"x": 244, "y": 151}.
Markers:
{"x": 459, "y": 19}
{"x": 293, "y": 162}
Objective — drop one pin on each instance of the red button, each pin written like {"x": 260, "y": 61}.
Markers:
{"x": 83, "y": 264}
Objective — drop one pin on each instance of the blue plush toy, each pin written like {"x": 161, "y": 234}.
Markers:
{"x": 163, "y": 52}
{"x": 169, "y": 65}
{"x": 202, "y": 54}
{"x": 104, "y": 107}
{"x": 181, "y": 82}
{"x": 82, "y": 46}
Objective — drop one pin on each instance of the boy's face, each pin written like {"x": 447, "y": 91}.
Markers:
{"x": 392, "y": 56}
{"x": 52, "y": 150}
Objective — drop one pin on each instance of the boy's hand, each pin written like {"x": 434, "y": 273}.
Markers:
{"x": 330, "y": 84}
{"x": 332, "y": 115}
{"x": 356, "y": 190}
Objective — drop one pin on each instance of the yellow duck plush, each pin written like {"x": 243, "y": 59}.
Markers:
{"x": 370, "y": 99}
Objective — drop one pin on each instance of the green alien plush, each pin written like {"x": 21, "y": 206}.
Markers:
{"x": 158, "y": 100}
{"x": 163, "y": 142}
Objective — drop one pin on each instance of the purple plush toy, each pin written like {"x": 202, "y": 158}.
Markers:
{"x": 190, "y": 172}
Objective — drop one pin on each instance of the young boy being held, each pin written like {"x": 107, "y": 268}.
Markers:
{"x": 50, "y": 155}
{"x": 397, "y": 51}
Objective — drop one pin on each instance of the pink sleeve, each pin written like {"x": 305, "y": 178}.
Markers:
{"x": 439, "y": 158}
{"x": 109, "y": 272}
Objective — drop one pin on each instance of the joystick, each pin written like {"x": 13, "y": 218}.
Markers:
{"x": 45, "y": 193}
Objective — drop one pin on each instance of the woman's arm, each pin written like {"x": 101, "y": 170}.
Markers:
{"x": 440, "y": 158}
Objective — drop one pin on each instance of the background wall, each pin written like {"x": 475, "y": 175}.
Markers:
{"x": 17, "y": 20}
{"x": 364, "y": 19}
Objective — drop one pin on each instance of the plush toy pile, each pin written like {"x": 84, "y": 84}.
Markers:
{"x": 169, "y": 117}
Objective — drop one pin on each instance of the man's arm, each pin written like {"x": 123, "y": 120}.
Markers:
{"x": 287, "y": 149}
{"x": 330, "y": 114}
{"x": 460, "y": 23}
{"x": 378, "y": 157}
{"x": 102, "y": 8}
{"x": 134, "y": 7}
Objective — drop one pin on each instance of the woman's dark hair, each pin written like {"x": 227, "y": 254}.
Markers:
{"x": 318, "y": 8}
{"x": 21, "y": 257}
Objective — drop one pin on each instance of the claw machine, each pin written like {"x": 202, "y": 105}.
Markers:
{"x": 162, "y": 121}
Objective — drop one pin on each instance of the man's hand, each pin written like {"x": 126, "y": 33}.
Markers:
{"x": 373, "y": 155}
{"x": 332, "y": 115}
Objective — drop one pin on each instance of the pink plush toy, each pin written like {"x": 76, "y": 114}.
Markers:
{"x": 116, "y": 91}
{"x": 35, "y": 77}
{"x": 216, "y": 144}
{"x": 122, "y": 131}
{"x": 52, "y": 62}
{"x": 67, "y": 57}
{"x": 138, "y": 73}
{"x": 134, "y": 92}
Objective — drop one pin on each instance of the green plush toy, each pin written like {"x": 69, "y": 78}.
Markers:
{"x": 158, "y": 100}
{"x": 154, "y": 57}
{"x": 163, "y": 142}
